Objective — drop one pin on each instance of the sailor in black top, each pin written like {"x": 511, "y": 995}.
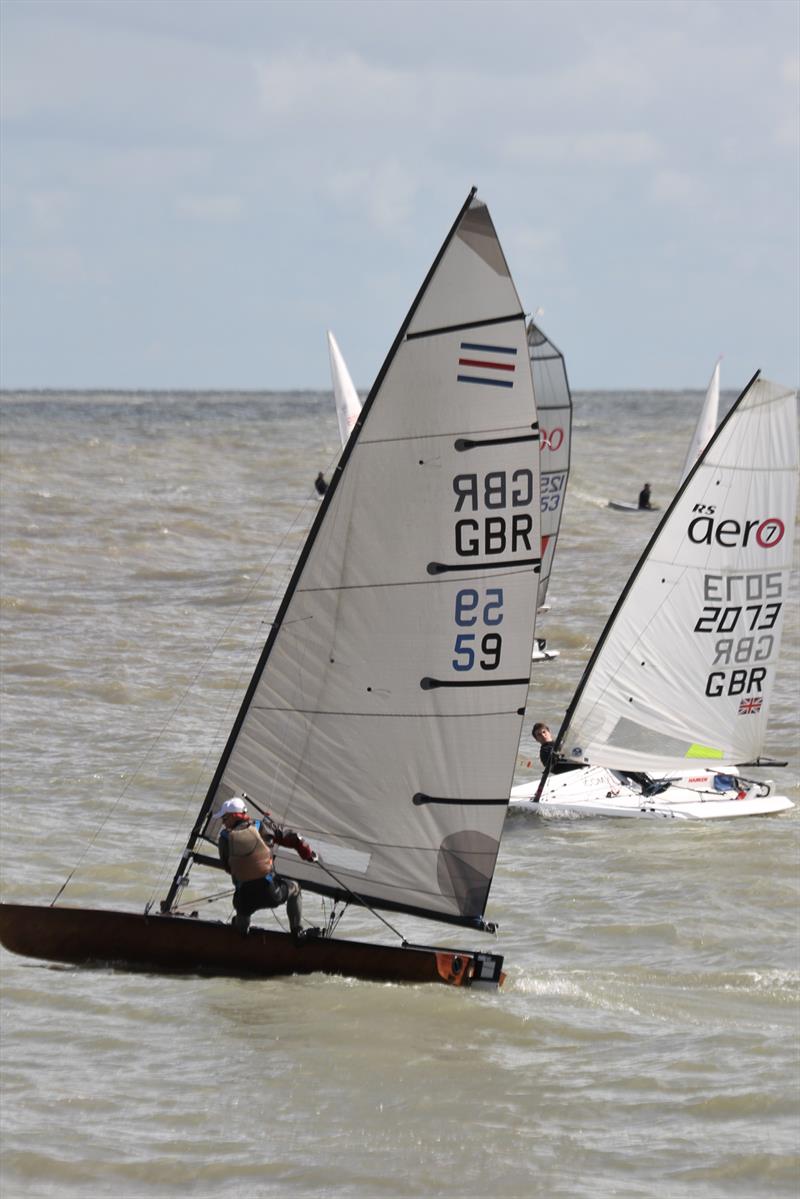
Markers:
{"x": 544, "y": 739}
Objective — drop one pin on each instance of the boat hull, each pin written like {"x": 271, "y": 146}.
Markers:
{"x": 186, "y": 945}
{"x": 596, "y": 791}
{"x": 544, "y": 655}
{"x": 622, "y": 506}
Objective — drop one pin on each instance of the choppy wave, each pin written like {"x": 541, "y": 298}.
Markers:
{"x": 644, "y": 1041}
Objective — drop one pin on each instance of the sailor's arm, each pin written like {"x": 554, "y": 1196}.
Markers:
{"x": 290, "y": 840}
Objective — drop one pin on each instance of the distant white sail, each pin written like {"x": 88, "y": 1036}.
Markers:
{"x": 383, "y": 719}
{"x": 348, "y": 404}
{"x": 554, "y": 406}
{"x": 706, "y": 424}
{"x": 684, "y": 670}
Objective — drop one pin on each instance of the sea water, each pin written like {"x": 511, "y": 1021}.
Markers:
{"x": 646, "y": 1040}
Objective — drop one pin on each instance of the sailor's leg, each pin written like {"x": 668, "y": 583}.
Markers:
{"x": 294, "y": 906}
{"x": 242, "y": 908}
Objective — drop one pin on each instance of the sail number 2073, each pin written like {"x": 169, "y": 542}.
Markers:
{"x": 475, "y": 648}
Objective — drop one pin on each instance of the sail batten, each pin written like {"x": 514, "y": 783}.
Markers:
{"x": 337, "y": 732}
{"x": 481, "y": 324}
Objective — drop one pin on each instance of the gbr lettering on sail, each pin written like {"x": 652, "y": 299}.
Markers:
{"x": 494, "y": 519}
{"x": 740, "y": 611}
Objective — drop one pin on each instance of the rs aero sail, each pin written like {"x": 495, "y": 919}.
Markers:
{"x": 554, "y": 408}
{"x": 671, "y": 713}
{"x": 383, "y": 717}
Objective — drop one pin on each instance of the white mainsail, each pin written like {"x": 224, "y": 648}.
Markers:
{"x": 383, "y": 719}
{"x": 554, "y": 406}
{"x": 684, "y": 670}
{"x": 706, "y": 424}
{"x": 348, "y": 404}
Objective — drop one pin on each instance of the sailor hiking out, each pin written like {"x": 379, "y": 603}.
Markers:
{"x": 245, "y": 850}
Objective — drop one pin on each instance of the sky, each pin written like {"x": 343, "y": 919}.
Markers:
{"x": 192, "y": 192}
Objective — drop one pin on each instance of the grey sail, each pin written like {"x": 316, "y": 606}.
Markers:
{"x": 384, "y": 715}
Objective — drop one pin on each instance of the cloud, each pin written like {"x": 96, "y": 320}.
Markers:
{"x": 385, "y": 195}
{"x": 49, "y": 210}
{"x": 57, "y": 265}
{"x": 790, "y": 70}
{"x": 302, "y": 84}
{"x": 219, "y": 209}
{"x": 610, "y": 148}
{"x": 679, "y": 189}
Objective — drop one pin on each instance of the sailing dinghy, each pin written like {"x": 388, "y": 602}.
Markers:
{"x": 384, "y": 714}
{"x": 672, "y": 709}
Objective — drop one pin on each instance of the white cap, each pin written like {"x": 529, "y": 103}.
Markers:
{"x": 231, "y": 807}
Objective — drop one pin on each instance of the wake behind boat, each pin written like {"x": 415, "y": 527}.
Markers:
{"x": 670, "y": 716}
{"x": 384, "y": 714}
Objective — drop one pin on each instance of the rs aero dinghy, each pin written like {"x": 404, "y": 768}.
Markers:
{"x": 671, "y": 713}
{"x": 554, "y": 407}
{"x": 383, "y": 718}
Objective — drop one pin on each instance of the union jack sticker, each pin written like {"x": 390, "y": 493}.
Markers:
{"x": 748, "y": 706}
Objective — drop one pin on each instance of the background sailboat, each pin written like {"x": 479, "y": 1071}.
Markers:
{"x": 554, "y": 406}
{"x": 348, "y": 403}
{"x": 703, "y": 431}
{"x": 706, "y": 422}
{"x": 681, "y": 678}
{"x": 383, "y": 718}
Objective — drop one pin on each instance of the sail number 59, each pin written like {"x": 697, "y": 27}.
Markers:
{"x": 470, "y": 610}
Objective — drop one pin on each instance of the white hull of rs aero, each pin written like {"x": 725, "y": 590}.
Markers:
{"x": 597, "y": 791}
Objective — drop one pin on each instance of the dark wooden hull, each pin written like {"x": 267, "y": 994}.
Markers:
{"x": 186, "y": 945}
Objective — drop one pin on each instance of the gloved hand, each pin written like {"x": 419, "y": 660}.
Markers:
{"x": 291, "y": 840}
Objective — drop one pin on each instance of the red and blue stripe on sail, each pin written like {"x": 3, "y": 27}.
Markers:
{"x": 488, "y": 361}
